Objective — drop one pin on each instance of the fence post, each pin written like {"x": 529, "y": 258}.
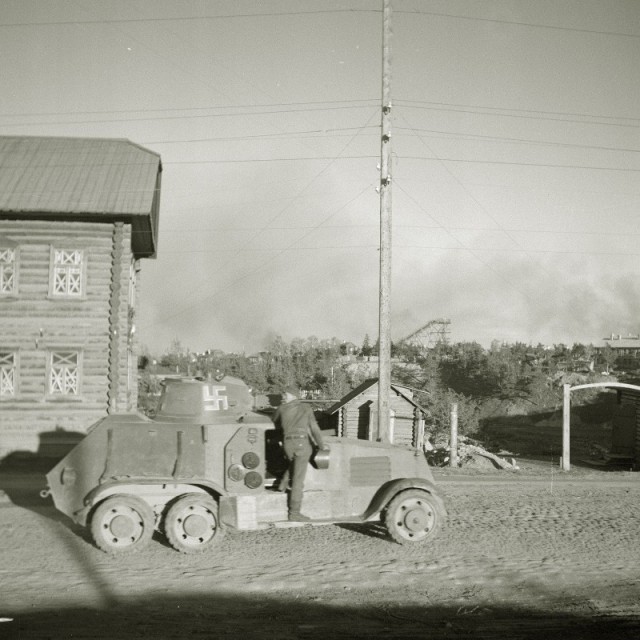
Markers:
{"x": 453, "y": 441}
{"x": 565, "y": 463}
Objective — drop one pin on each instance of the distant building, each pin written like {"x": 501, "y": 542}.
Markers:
{"x": 626, "y": 349}
{"x": 76, "y": 217}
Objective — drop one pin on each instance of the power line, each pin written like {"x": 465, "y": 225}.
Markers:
{"x": 335, "y": 132}
{"x": 521, "y": 24}
{"x": 269, "y": 250}
{"x": 519, "y": 110}
{"x": 187, "y": 109}
{"x": 474, "y": 136}
{"x": 231, "y": 16}
{"x": 346, "y": 103}
{"x": 521, "y": 164}
{"x": 576, "y": 232}
{"x": 252, "y": 160}
{"x": 401, "y": 246}
{"x": 524, "y": 250}
{"x": 525, "y": 116}
{"x": 54, "y": 23}
{"x": 187, "y": 117}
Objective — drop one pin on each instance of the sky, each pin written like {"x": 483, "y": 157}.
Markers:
{"x": 515, "y": 167}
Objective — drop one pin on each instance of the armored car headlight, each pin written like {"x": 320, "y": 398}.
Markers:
{"x": 236, "y": 472}
{"x": 250, "y": 460}
{"x": 253, "y": 480}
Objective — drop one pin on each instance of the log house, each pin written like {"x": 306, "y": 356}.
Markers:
{"x": 76, "y": 217}
{"x": 355, "y": 415}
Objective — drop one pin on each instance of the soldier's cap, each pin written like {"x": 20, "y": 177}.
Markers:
{"x": 291, "y": 390}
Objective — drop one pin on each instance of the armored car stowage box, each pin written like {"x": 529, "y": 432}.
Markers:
{"x": 206, "y": 462}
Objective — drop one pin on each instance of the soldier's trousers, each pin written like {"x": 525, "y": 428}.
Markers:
{"x": 298, "y": 452}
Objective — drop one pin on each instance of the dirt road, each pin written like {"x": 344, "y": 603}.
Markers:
{"x": 522, "y": 555}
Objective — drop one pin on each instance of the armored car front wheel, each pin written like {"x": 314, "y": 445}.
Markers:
{"x": 191, "y": 524}
{"x": 122, "y": 523}
{"x": 414, "y": 515}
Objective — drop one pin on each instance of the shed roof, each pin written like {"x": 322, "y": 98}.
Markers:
{"x": 354, "y": 393}
{"x": 100, "y": 179}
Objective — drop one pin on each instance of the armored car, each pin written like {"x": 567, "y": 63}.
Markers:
{"x": 206, "y": 462}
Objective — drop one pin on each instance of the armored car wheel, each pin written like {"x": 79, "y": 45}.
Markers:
{"x": 122, "y": 523}
{"x": 191, "y": 524}
{"x": 413, "y": 515}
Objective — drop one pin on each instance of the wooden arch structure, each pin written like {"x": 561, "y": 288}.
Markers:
{"x": 565, "y": 462}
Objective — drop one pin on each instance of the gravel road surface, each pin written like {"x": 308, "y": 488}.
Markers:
{"x": 523, "y": 555}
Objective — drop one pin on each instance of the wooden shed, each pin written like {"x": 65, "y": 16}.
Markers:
{"x": 356, "y": 415}
{"x": 625, "y": 435}
{"x": 76, "y": 217}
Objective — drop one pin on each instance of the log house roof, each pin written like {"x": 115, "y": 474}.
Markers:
{"x": 96, "y": 179}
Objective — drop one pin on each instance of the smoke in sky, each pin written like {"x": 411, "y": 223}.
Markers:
{"x": 515, "y": 299}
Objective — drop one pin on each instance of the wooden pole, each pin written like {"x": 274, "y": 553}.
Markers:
{"x": 453, "y": 440}
{"x": 420, "y": 430}
{"x": 384, "y": 342}
{"x": 565, "y": 463}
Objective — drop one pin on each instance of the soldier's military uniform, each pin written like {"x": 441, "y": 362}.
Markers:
{"x": 299, "y": 429}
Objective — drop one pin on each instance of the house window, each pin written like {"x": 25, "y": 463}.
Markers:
{"x": 8, "y": 262}
{"x": 7, "y": 374}
{"x": 66, "y": 273}
{"x": 64, "y": 373}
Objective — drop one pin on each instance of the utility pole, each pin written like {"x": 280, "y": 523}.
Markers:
{"x": 384, "y": 342}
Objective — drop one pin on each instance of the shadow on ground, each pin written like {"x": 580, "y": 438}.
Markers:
{"x": 259, "y": 617}
{"x": 23, "y": 473}
{"x": 538, "y": 436}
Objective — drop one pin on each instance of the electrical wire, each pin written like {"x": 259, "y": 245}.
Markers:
{"x": 533, "y": 25}
{"x": 231, "y": 16}
{"x": 453, "y": 135}
{"x": 457, "y": 105}
{"x": 188, "y": 117}
{"x": 40, "y": 114}
{"x": 526, "y": 116}
{"x": 512, "y": 163}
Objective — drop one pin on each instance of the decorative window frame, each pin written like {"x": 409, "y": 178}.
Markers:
{"x": 67, "y": 273}
{"x": 64, "y": 374}
{"x": 9, "y": 373}
{"x": 9, "y": 268}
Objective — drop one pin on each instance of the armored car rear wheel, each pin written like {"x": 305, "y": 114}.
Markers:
{"x": 122, "y": 523}
{"x": 414, "y": 515}
{"x": 191, "y": 524}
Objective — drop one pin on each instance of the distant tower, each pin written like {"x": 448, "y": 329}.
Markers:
{"x": 433, "y": 333}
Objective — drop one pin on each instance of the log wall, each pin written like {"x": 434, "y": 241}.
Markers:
{"x": 97, "y": 325}
{"x": 356, "y": 416}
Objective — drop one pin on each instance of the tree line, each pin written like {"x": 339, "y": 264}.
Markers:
{"x": 464, "y": 372}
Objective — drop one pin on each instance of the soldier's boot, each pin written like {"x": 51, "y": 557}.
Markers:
{"x": 296, "y": 516}
{"x": 294, "y": 512}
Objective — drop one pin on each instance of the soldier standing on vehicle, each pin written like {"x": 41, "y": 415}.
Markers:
{"x": 299, "y": 429}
